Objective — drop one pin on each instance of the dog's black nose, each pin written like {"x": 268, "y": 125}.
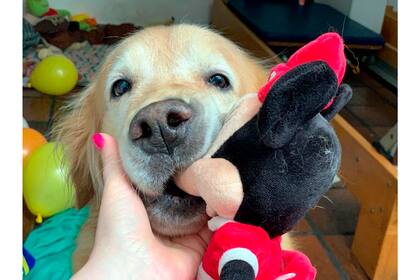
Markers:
{"x": 161, "y": 126}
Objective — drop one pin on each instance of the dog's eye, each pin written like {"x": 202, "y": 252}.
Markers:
{"x": 120, "y": 87}
{"x": 219, "y": 80}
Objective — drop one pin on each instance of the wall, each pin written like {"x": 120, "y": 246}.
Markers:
{"x": 140, "y": 12}
{"x": 369, "y": 13}
{"x": 341, "y": 5}
{"x": 394, "y": 4}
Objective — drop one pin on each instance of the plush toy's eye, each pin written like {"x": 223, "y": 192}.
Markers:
{"x": 120, "y": 87}
{"x": 219, "y": 80}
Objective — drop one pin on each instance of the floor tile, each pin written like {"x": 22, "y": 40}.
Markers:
{"x": 367, "y": 133}
{"x": 28, "y": 221}
{"x": 30, "y": 92}
{"x": 380, "y": 131}
{"x": 42, "y": 127}
{"x": 302, "y": 227}
{"x": 389, "y": 96}
{"x": 310, "y": 246}
{"x": 366, "y": 96}
{"x": 341, "y": 247}
{"x": 352, "y": 79}
{"x": 336, "y": 215}
{"x": 36, "y": 108}
{"x": 383, "y": 115}
{"x": 350, "y": 117}
{"x": 368, "y": 80}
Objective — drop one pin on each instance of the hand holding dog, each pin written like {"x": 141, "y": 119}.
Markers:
{"x": 125, "y": 246}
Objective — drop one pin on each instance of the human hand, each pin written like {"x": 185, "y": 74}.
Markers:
{"x": 125, "y": 246}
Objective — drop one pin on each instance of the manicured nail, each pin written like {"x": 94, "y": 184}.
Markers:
{"x": 98, "y": 140}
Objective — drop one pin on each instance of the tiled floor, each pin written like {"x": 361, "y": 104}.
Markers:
{"x": 326, "y": 233}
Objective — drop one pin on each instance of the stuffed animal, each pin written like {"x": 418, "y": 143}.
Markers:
{"x": 242, "y": 251}
{"x": 41, "y": 8}
{"x": 277, "y": 154}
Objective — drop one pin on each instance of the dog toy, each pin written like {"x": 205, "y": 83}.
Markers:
{"x": 246, "y": 251}
{"x": 41, "y": 8}
{"x": 28, "y": 262}
{"x": 277, "y": 154}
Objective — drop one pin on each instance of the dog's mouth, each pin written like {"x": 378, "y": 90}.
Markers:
{"x": 175, "y": 212}
{"x": 173, "y": 190}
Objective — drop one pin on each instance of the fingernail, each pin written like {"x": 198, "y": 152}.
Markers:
{"x": 98, "y": 140}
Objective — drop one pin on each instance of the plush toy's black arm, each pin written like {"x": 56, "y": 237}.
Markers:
{"x": 237, "y": 270}
{"x": 343, "y": 96}
{"x": 293, "y": 100}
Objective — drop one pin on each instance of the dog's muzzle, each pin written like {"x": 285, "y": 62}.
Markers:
{"x": 161, "y": 126}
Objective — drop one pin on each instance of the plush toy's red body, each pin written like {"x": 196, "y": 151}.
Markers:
{"x": 252, "y": 244}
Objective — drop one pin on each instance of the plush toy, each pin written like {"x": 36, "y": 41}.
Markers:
{"x": 242, "y": 251}
{"x": 40, "y": 8}
{"x": 86, "y": 22}
{"x": 277, "y": 154}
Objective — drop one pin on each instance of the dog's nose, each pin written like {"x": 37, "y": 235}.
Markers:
{"x": 161, "y": 126}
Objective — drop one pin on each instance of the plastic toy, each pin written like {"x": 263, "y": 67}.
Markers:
{"x": 47, "y": 188}
{"x": 54, "y": 75}
{"x": 32, "y": 139}
{"x": 40, "y": 8}
{"x": 86, "y": 23}
{"x": 28, "y": 262}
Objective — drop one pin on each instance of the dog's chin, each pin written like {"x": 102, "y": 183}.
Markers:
{"x": 174, "y": 212}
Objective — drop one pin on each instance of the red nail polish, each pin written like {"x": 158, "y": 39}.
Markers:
{"x": 98, "y": 140}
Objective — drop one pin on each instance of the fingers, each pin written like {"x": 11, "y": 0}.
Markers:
{"x": 121, "y": 207}
{"x": 112, "y": 167}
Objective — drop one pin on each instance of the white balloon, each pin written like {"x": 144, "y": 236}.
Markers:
{"x": 25, "y": 123}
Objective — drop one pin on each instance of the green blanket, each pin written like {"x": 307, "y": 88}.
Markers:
{"x": 52, "y": 245}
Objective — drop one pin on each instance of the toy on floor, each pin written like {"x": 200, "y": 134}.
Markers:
{"x": 54, "y": 75}
{"x": 47, "y": 188}
{"x": 28, "y": 262}
{"x": 86, "y": 22}
{"x": 31, "y": 140}
{"x": 40, "y": 8}
{"x": 273, "y": 161}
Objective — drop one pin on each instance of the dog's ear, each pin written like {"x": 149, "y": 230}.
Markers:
{"x": 75, "y": 124}
{"x": 293, "y": 100}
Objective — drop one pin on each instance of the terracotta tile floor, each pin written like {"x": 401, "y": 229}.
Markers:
{"x": 326, "y": 233}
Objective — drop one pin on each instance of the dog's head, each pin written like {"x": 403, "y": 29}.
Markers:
{"x": 163, "y": 94}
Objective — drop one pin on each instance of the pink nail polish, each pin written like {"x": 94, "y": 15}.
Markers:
{"x": 98, "y": 140}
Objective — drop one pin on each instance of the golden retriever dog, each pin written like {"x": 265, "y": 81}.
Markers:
{"x": 163, "y": 94}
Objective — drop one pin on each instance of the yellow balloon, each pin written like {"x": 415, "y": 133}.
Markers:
{"x": 54, "y": 75}
{"x": 46, "y": 186}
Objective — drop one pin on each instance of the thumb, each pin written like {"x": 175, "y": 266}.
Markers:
{"x": 121, "y": 206}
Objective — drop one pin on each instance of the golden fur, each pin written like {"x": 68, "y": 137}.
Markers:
{"x": 165, "y": 61}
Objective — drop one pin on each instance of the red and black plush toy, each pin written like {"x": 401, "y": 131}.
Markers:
{"x": 274, "y": 159}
